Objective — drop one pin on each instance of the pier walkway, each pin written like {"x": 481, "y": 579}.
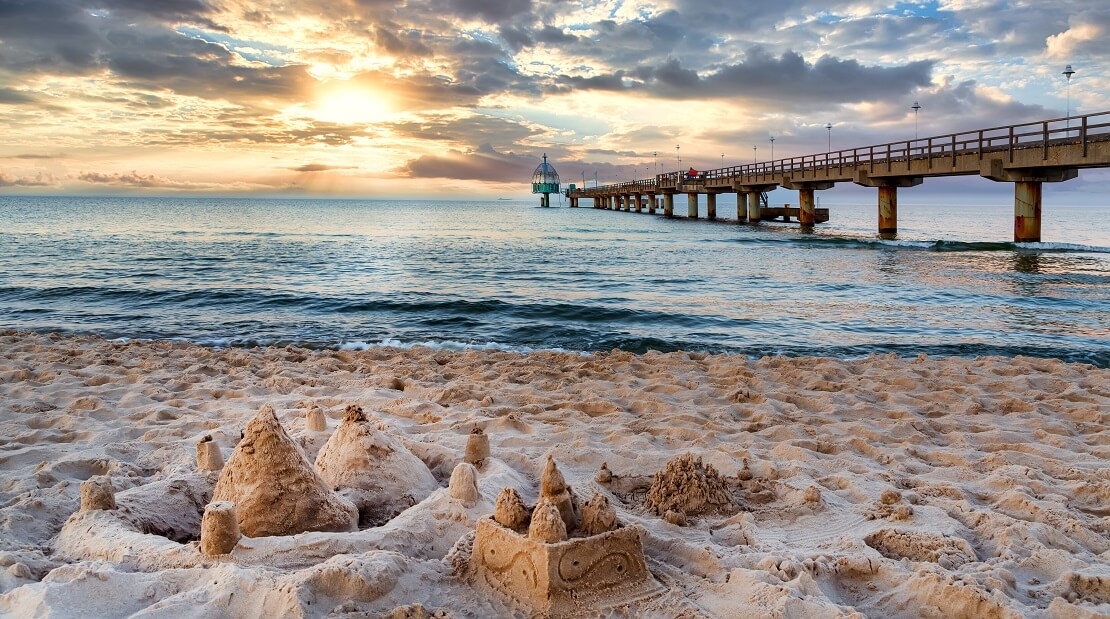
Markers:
{"x": 1027, "y": 155}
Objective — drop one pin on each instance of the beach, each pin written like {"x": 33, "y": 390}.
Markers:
{"x": 884, "y": 486}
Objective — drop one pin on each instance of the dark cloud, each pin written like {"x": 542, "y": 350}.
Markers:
{"x": 493, "y": 11}
{"x": 483, "y": 164}
{"x": 10, "y": 96}
{"x": 788, "y": 78}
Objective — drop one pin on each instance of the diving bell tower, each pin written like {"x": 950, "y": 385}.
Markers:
{"x": 545, "y": 180}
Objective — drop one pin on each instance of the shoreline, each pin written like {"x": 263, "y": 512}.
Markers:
{"x": 998, "y": 465}
{"x": 902, "y": 352}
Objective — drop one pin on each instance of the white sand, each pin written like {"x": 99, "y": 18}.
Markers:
{"x": 883, "y": 487}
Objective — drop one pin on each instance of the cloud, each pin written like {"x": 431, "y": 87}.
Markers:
{"x": 320, "y": 167}
{"x": 134, "y": 179}
{"x": 34, "y": 156}
{"x": 483, "y": 164}
{"x": 788, "y": 78}
{"x": 40, "y": 179}
{"x": 11, "y": 96}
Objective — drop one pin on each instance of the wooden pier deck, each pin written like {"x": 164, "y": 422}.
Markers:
{"x": 1027, "y": 155}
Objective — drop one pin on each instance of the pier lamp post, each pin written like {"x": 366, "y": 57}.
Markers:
{"x": 678, "y": 155}
{"x": 829, "y": 127}
{"x": 722, "y": 160}
{"x": 755, "y": 156}
{"x": 772, "y": 138}
{"x": 1068, "y": 72}
{"x": 915, "y": 107}
{"x": 655, "y": 161}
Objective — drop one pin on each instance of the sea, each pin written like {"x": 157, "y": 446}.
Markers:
{"x": 507, "y": 274}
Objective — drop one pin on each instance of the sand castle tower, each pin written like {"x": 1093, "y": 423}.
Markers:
{"x": 372, "y": 469}
{"x": 545, "y": 180}
{"x": 274, "y": 487}
{"x": 557, "y": 559}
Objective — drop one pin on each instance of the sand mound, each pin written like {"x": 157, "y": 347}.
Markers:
{"x": 948, "y": 552}
{"x": 274, "y": 488}
{"x": 687, "y": 485}
{"x": 373, "y": 469}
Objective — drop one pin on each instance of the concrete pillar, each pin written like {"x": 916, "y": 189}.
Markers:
{"x": 753, "y": 206}
{"x": 668, "y": 205}
{"x": 628, "y": 203}
{"x": 649, "y": 202}
{"x": 1027, "y": 212}
{"x": 613, "y": 203}
{"x": 574, "y": 202}
{"x": 807, "y": 212}
{"x": 692, "y": 205}
{"x": 639, "y": 203}
{"x": 711, "y": 206}
{"x": 888, "y": 209}
{"x": 741, "y": 206}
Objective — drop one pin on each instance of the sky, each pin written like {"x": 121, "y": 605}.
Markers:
{"x": 461, "y": 98}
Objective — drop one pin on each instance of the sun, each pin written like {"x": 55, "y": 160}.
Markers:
{"x": 349, "y": 104}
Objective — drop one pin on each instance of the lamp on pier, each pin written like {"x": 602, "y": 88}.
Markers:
{"x": 915, "y": 107}
{"x": 1068, "y": 72}
{"x": 772, "y": 138}
{"x": 829, "y": 127}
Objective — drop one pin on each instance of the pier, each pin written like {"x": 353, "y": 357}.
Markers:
{"x": 1026, "y": 155}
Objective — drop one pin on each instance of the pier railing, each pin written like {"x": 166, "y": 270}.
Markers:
{"x": 1009, "y": 139}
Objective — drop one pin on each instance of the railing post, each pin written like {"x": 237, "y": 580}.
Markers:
{"x": 1083, "y": 135}
{"x": 930, "y": 156}
{"x": 1010, "y": 148}
{"x": 954, "y": 148}
{"x": 1044, "y": 141}
{"x": 871, "y": 158}
{"x": 980, "y": 144}
{"x": 888, "y": 161}
{"x": 907, "y": 155}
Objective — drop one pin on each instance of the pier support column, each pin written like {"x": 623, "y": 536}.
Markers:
{"x": 888, "y": 196}
{"x": 668, "y": 205}
{"x": 753, "y": 206}
{"x": 807, "y": 211}
{"x": 627, "y": 203}
{"x": 650, "y": 203}
{"x": 1027, "y": 193}
{"x": 639, "y": 202}
{"x": 711, "y": 206}
{"x": 574, "y": 202}
{"x": 612, "y": 203}
{"x": 1027, "y": 212}
{"x": 888, "y": 209}
{"x": 692, "y": 205}
{"x": 741, "y": 206}
{"x": 807, "y": 207}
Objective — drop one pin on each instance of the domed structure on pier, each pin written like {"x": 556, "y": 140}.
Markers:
{"x": 545, "y": 180}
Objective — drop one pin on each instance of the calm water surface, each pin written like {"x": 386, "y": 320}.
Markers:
{"x": 508, "y": 274}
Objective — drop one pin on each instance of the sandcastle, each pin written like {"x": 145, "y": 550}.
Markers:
{"x": 275, "y": 489}
{"x": 688, "y": 487}
{"x": 559, "y": 559}
{"x": 373, "y": 469}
